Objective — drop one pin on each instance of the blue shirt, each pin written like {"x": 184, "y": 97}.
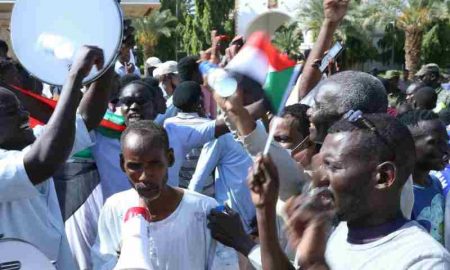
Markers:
{"x": 429, "y": 206}
{"x": 186, "y": 133}
{"x": 444, "y": 178}
{"x": 232, "y": 163}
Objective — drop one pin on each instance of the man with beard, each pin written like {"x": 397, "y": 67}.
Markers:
{"x": 431, "y": 140}
{"x": 363, "y": 164}
{"x": 179, "y": 237}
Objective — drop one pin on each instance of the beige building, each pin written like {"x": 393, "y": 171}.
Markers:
{"x": 131, "y": 8}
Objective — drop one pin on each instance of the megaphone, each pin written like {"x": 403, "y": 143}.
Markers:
{"x": 135, "y": 251}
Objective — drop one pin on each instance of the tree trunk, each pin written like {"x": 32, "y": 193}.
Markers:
{"x": 413, "y": 45}
{"x": 148, "y": 51}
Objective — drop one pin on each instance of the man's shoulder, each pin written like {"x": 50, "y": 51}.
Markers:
{"x": 195, "y": 198}
{"x": 122, "y": 199}
{"x": 414, "y": 235}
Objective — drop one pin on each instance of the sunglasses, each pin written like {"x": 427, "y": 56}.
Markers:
{"x": 128, "y": 101}
{"x": 357, "y": 118}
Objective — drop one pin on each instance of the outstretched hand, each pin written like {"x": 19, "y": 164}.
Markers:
{"x": 335, "y": 10}
{"x": 86, "y": 58}
{"x": 263, "y": 182}
{"x": 226, "y": 227}
{"x": 309, "y": 224}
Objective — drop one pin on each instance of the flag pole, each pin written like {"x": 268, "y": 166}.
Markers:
{"x": 297, "y": 71}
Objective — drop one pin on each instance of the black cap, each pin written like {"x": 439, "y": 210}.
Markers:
{"x": 186, "y": 95}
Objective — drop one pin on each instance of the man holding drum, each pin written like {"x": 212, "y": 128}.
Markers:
{"x": 29, "y": 207}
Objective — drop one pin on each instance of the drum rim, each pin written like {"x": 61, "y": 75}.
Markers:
{"x": 30, "y": 244}
{"x": 105, "y": 66}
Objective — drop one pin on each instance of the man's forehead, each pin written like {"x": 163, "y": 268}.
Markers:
{"x": 135, "y": 90}
{"x": 341, "y": 143}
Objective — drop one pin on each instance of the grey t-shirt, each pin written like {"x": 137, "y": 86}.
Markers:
{"x": 410, "y": 247}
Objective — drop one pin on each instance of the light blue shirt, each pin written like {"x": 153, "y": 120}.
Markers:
{"x": 171, "y": 111}
{"x": 232, "y": 163}
{"x": 184, "y": 136}
{"x": 106, "y": 152}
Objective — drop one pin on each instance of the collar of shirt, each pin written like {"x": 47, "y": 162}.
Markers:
{"x": 184, "y": 115}
{"x": 165, "y": 95}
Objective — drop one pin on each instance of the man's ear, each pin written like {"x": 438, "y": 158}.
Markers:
{"x": 122, "y": 163}
{"x": 386, "y": 175}
{"x": 170, "y": 157}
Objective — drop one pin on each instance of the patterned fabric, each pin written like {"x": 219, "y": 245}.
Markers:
{"x": 429, "y": 206}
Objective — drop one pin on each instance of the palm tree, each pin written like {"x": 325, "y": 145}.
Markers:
{"x": 357, "y": 40}
{"x": 151, "y": 27}
{"x": 288, "y": 38}
{"x": 411, "y": 16}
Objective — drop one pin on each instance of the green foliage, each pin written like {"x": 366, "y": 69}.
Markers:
{"x": 209, "y": 15}
{"x": 358, "y": 41}
{"x": 288, "y": 39}
{"x": 436, "y": 44}
{"x": 392, "y": 45}
{"x": 150, "y": 28}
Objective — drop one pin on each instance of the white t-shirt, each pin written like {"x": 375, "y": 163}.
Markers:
{"x": 410, "y": 247}
{"x": 31, "y": 213}
{"x": 181, "y": 241}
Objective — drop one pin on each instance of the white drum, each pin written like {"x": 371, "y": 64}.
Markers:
{"x": 46, "y": 35}
{"x": 16, "y": 254}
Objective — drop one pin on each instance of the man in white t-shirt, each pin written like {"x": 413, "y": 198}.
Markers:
{"x": 362, "y": 188}
{"x": 29, "y": 208}
{"x": 178, "y": 233}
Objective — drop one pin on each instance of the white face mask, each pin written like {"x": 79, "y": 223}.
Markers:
{"x": 298, "y": 146}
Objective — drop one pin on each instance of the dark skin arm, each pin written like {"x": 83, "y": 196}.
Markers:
{"x": 227, "y": 229}
{"x": 92, "y": 107}
{"x": 95, "y": 101}
{"x": 53, "y": 147}
{"x": 264, "y": 185}
{"x": 334, "y": 11}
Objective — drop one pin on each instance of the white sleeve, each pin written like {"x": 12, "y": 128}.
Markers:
{"x": 430, "y": 263}
{"x": 14, "y": 181}
{"x": 407, "y": 198}
{"x": 255, "y": 257}
{"x": 291, "y": 176}
{"x": 208, "y": 160}
{"x": 107, "y": 246}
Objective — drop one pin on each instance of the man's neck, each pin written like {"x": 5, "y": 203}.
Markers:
{"x": 367, "y": 234}
{"x": 420, "y": 177}
{"x": 165, "y": 204}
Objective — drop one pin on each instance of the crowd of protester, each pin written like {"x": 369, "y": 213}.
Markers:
{"x": 356, "y": 176}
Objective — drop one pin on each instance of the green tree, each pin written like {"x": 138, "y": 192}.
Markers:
{"x": 358, "y": 41}
{"x": 205, "y": 16}
{"x": 436, "y": 44}
{"x": 150, "y": 28}
{"x": 288, "y": 39}
{"x": 413, "y": 17}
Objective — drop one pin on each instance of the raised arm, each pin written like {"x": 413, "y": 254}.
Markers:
{"x": 95, "y": 101}
{"x": 264, "y": 185}
{"x": 334, "y": 12}
{"x": 52, "y": 148}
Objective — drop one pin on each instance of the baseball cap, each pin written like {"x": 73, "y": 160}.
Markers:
{"x": 166, "y": 68}
{"x": 153, "y": 62}
{"x": 428, "y": 68}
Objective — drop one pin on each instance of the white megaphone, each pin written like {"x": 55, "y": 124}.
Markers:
{"x": 135, "y": 247}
